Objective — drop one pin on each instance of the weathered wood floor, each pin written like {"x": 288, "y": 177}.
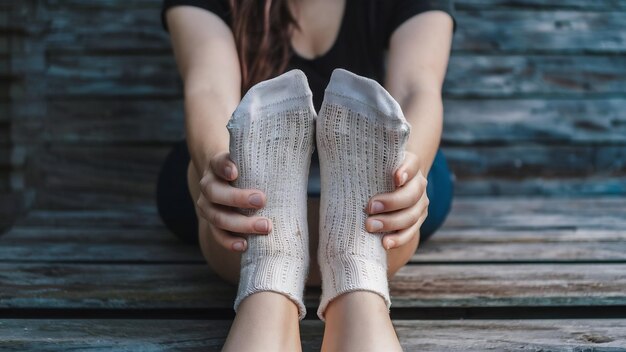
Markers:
{"x": 526, "y": 274}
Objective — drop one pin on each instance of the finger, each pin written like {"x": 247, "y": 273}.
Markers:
{"x": 225, "y": 194}
{"x": 398, "y": 199}
{"x": 397, "y": 220}
{"x": 230, "y": 220}
{"x": 228, "y": 241}
{"x": 408, "y": 169}
{"x": 403, "y": 237}
{"x": 223, "y": 167}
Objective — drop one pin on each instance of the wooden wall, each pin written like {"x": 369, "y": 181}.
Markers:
{"x": 535, "y": 99}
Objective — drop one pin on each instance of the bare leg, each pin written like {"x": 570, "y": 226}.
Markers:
{"x": 266, "y": 321}
{"x": 358, "y": 321}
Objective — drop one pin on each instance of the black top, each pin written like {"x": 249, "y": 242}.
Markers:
{"x": 363, "y": 37}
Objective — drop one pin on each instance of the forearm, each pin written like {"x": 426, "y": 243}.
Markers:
{"x": 207, "y": 60}
{"x": 206, "y": 116}
{"x": 424, "y": 111}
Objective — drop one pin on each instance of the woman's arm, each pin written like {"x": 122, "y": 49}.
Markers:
{"x": 206, "y": 55}
{"x": 417, "y": 63}
{"x": 416, "y": 67}
{"x": 208, "y": 63}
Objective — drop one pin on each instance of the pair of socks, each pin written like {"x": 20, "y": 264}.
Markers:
{"x": 360, "y": 134}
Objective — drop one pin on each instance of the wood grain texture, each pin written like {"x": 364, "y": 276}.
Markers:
{"x": 558, "y": 76}
{"x": 538, "y": 186}
{"x": 542, "y": 121}
{"x": 97, "y": 176}
{"x": 470, "y": 76}
{"x": 598, "y": 5}
{"x": 97, "y": 243}
{"x": 562, "y": 230}
{"x": 415, "y": 335}
{"x": 195, "y": 286}
{"x": 522, "y": 31}
{"x": 466, "y": 122}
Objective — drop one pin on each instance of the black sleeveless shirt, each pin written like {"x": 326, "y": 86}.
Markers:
{"x": 360, "y": 45}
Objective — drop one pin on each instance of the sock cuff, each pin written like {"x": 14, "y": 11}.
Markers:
{"x": 286, "y": 91}
{"x": 349, "y": 273}
{"x": 283, "y": 275}
{"x": 366, "y": 92}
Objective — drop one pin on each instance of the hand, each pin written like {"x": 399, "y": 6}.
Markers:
{"x": 218, "y": 200}
{"x": 403, "y": 210}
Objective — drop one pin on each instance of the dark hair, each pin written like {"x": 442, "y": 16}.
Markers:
{"x": 262, "y": 30}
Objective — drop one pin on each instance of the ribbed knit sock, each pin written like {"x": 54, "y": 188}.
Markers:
{"x": 272, "y": 133}
{"x": 361, "y": 133}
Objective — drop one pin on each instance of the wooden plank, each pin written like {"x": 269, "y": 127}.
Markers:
{"x": 194, "y": 286}
{"x": 99, "y": 176}
{"x": 95, "y": 244}
{"x": 521, "y": 161}
{"x": 549, "y": 121}
{"x": 466, "y": 122}
{"x": 475, "y": 76}
{"x": 120, "y": 5}
{"x": 538, "y": 186}
{"x": 113, "y": 76}
{"x": 415, "y": 335}
{"x": 88, "y": 29}
{"x": 511, "y": 245}
{"x": 559, "y": 232}
{"x": 97, "y": 120}
{"x": 522, "y": 31}
{"x": 469, "y": 76}
{"x": 597, "y": 5}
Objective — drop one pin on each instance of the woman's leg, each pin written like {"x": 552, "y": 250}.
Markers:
{"x": 359, "y": 320}
{"x": 265, "y": 320}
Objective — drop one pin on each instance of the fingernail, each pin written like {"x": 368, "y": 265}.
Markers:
{"x": 376, "y": 207}
{"x": 256, "y": 199}
{"x": 376, "y": 225}
{"x": 238, "y": 246}
{"x": 390, "y": 244}
{"x": 405, "y": 176}
{"x": 262, "y": 225}
{"x": 228, "y": 172}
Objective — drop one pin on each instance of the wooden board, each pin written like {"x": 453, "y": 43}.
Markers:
{"x": 95, "y": 244}
{"x": 470, "y": 75}
{"x": 560, "y": 231}
{"x": 524, "y": 31}
{"x": 194, "y": 286}
{"x": 600, "y": 5}
{"x": 415, "y": 335}
{"x": 492, "y": 122}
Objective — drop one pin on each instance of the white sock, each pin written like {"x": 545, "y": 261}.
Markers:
{"x": 272, "y": 134}
{"x": 361, "y": 133}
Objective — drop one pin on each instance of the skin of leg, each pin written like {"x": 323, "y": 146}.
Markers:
{"x": 359, "y": 321}
{"x": 265, "y": 321}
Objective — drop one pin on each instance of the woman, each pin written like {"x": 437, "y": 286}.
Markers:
{"x": 223, "y": 48}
